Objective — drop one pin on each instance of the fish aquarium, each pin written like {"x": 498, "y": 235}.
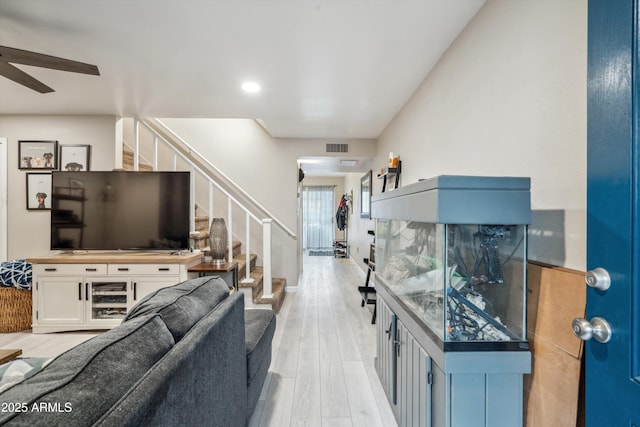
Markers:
{"x": 452, "y": 251}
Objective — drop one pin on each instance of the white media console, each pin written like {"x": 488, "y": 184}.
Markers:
{"x": 95, "y": 290}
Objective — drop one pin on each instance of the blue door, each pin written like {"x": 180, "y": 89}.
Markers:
{"x": 613, "y": 215}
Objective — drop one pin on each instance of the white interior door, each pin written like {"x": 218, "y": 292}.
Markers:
{"x": 3, "y": 200}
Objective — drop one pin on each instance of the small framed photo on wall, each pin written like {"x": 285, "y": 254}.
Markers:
{"x": 38, "y": 154}
{"x": 75, "y": 158}
{"x": 38, "y": 191}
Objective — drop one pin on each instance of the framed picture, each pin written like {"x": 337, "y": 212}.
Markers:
{"x": 365, "y": 196}
{"x": 37, "y": 154}
{"x": 38, "y": 191}
{"x": 75, "y": 158}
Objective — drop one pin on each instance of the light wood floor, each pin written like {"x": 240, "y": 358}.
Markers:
{"x": 322, "y": 370}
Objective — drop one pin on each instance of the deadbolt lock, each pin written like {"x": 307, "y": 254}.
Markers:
{"x": 598, "y": 278}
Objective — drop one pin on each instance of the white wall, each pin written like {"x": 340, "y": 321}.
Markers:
{"x": 359, "y": 238}
{"x": 29, "y": 231}
{"x": 509, "y": 99}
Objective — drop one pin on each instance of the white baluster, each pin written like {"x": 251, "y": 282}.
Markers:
{"x": 230, "y": 233}
{"x": 136, "y": 144}
{"x": 247, "y": 269}
{"x": 266, "y": 258}
{"x": 192, "y": 199}
{"x": 155, "y": 153}
{"x": 210, "y": 202}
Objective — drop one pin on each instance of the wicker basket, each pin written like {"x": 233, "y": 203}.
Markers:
{"x": 15, "y": 309}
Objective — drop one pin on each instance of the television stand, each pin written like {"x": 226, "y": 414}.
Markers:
{"x": 95, "y": 290}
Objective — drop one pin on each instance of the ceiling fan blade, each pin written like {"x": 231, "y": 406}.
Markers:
{"x": 19, "y": 76}
{"x": 25, "y": 57}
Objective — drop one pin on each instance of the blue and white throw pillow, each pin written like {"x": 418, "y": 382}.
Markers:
{"x": 16, "y": 274}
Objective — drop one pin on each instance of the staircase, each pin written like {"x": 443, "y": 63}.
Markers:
{"x": 253, "y": 290}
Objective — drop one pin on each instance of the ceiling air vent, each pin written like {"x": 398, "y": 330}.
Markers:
{"x": 337, "y": 148}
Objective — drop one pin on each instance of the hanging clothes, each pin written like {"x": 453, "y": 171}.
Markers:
{"x": 341, "y": 213}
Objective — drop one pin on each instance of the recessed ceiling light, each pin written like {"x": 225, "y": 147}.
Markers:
{"x": 251, "y": 87}
{"x": 348, "y": 163}
{"x": 309, "y": 161}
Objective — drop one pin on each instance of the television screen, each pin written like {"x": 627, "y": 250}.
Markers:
{"x": 120, "y": 210}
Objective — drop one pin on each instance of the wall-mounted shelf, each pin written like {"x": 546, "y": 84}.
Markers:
{"x": 391, "y": 173}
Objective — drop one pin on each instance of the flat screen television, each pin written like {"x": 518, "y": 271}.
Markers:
{"x": 120, "y": 210}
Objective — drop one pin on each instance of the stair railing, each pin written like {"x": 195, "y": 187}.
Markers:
{"x": 265, "y": 223}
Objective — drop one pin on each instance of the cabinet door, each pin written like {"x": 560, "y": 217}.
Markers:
{"x": 60, "y": 300}
{"x": 414, "y": 381}
{"x": 141, "y": 286}
{"x": 386, "y": 357}
{"x": 106, "y": 300}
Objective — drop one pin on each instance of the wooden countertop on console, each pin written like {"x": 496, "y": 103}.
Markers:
{"x": 117, "y": 258}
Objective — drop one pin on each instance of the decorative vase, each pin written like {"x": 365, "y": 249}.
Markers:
{"x": 218, "y": 240}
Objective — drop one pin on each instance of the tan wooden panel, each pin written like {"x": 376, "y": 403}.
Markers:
{"x": 551, "y": 391}
{"x": 556, "y": 296}
{"x": 117, "y": 257}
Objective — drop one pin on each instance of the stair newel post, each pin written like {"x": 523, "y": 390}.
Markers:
{"x": 266, "y": 257}
{"x": 136, "y": 144}
{"x": 230, "y": 233}
{"x": 247, "y": 269}
{"x": 192, "y": 199}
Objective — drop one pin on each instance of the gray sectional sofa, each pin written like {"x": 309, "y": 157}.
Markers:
{"x": 187, "y": 355}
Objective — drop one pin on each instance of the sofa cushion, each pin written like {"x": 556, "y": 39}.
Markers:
{"x": 77, "y": 387}
{"x": 183, "y": 305}
{"x": 259, "y": 327}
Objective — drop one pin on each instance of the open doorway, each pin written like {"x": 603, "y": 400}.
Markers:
{"x": 318, "y": 230}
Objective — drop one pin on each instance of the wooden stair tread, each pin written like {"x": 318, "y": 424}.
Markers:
{"x": 278, "y": 286}
{"x": 241, "y": 259}
{"x": 256, "y": 275}
{"x": 127, "y": 162}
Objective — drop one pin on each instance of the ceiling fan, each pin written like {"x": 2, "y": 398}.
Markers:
{"x": 25, "y": 57}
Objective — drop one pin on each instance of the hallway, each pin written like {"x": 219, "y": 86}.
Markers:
{"x": 322, "y": 371}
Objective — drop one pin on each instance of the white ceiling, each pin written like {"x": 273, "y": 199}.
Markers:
{"x": 328, "y": 68}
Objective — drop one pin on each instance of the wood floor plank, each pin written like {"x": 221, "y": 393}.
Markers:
{"x": 364, "y": 408}
{"x": 334, "y": 402}
{"x": 336, "y": 422}
{"x": 306, "y": 411}
{"x": 279, "y": 402}
{"x": 329, "y": 348}
{"x": 45, "y": 345}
